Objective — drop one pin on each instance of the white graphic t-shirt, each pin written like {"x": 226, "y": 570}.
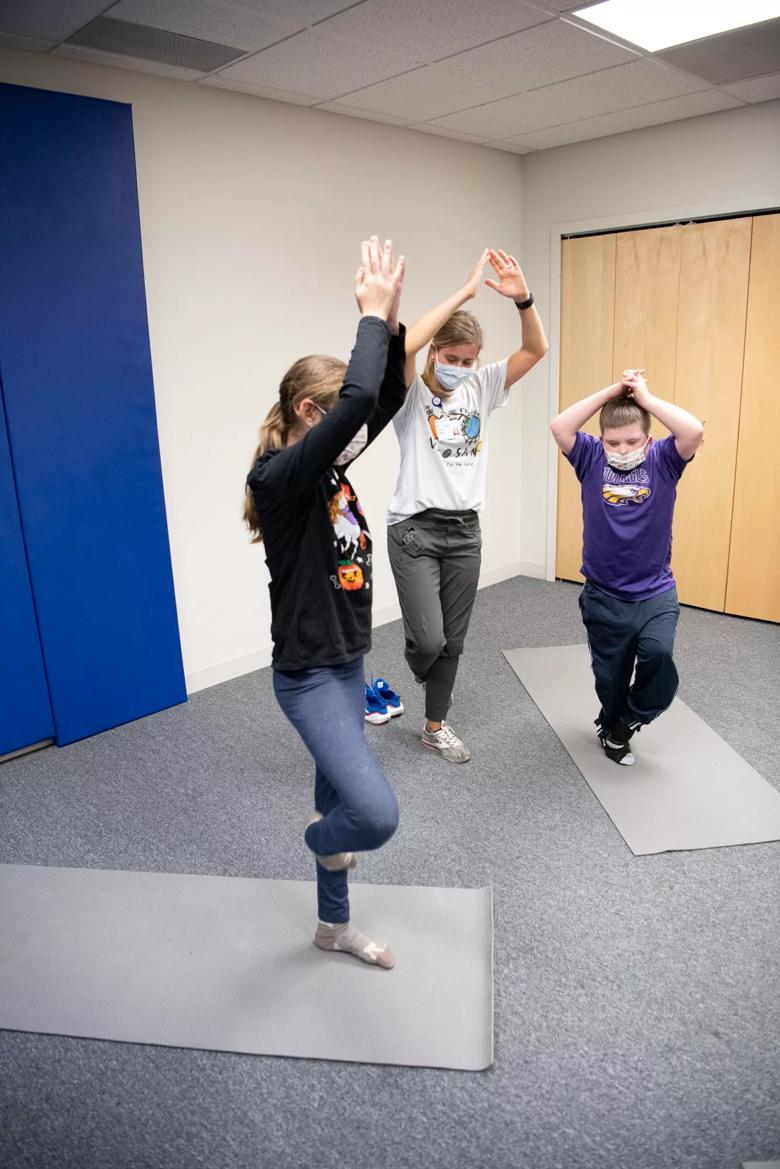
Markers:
{"x": 443, "y": 444}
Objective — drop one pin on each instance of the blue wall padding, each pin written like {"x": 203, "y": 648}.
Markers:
{"x": 25, "y": 712}
{"x": 74, "y": 354}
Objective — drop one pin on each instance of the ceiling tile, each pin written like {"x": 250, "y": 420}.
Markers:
{"x": 337, "y": 107}
{"x": 384, "y": 40}
{"x": 709, "y": 101}
{"x": 50, "y": 20}
{"x": 440, "y": 132}
{"x": 565, "y": 5}
{"x": 509, "y": 146}
{"x": 538, "y": 56}
{"x": 731, "y": 56}
{"x": 117, "y": 61}
{"x": 218, "y": 81}
{"x": 208, "y": 20}
{"x": 26, "y": 44}
{"x": 599, "y": 93}
{"x": 757, "y": 89}
{"x": 304, "y": 11}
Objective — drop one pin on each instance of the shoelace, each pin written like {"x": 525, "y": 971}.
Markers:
{"x": 448, "y": 735}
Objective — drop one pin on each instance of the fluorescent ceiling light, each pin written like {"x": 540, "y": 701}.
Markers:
{"x": 661, "y": 23}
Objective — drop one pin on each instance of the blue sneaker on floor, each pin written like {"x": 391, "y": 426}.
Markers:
{"x": 376, "y": 711}
{"x": 391, "y": 700}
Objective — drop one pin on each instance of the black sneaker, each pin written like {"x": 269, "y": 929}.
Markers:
{"x": 615, "y": 742}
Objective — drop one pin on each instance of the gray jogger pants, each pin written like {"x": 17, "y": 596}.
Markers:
{"x": 435, "y": 557}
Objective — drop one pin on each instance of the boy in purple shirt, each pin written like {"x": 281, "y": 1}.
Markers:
{"x": 629, "y": 602}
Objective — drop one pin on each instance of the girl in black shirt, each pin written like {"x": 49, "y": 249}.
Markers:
{"x": 319, "y": 553}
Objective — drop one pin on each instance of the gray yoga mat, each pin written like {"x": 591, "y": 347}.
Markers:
{"x": 228, "y": 964}
{"x": 761, "y": 1165}
{"x": 688, "y": 789}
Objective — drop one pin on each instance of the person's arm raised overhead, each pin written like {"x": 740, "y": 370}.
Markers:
{"x": 687, "y": 430}
{"x": 564, "y": 428}
{"x": 319, "y": 436}
{"x": 511, "y": 282}
{"x": 422, "y": 332}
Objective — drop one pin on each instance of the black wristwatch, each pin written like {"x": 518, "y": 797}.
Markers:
{"x": 524, "y": 304}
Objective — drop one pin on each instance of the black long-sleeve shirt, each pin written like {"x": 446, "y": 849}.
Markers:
{"x": 318, "y": 546}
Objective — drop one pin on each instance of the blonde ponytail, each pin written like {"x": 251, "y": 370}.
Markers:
{"x": 318, "y": 378}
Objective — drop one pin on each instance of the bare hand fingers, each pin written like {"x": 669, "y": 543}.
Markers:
{"x": 496, "y": 263}
{"x": 398, "y": 274}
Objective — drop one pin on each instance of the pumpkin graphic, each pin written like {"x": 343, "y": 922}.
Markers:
{"x": 350, "y": 576}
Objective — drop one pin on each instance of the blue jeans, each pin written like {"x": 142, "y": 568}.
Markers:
{"x": 326, "y": 706}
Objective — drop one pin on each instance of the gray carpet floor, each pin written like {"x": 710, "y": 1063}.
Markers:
{"x": 637, "y": 1004}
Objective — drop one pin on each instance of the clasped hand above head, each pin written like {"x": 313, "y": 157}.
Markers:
{"x": 634, "y": 384}
{"x": 378, "y": 282}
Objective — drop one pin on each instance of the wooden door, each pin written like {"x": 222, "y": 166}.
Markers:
{"x": 714, "y": 269}
{"x": 587, "y": 315}
{"x": 753, "y": 587}
{"x": 647, "y": 283}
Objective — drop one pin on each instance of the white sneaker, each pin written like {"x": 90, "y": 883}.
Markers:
{"x": 446, "y": 742}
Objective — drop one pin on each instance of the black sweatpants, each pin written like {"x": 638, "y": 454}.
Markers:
{"x": 631, "y": 638}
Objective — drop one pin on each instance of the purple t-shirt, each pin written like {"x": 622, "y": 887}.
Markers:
{"x": 627, "y": 517}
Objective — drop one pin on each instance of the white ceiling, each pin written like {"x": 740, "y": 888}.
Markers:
{"x": 513, "y": 75}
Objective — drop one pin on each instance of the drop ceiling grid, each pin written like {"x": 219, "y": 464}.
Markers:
{"x": 209, "y": 20}
{"x": 48, "y": 20}
{"x": 708, "y": 101}
{"x": 513, "y": 75}
{"x": 538, "y": 56}
{"x": 620, "y": 87}
{"x": 384, "y": 40}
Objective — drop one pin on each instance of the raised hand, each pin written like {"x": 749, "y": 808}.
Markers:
{"x": 474, "y": 281}
{"x": 636, "y": 385}
{"x": 379, "y": 280}
{"x": 510, "y": 279}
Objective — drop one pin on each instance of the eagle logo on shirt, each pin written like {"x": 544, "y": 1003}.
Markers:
{"x": 621, "y": 487}
{"x": 628, "y": 493}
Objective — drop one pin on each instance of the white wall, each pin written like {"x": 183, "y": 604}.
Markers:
{"x": 709, "y": 165}
{"x": 251, "y": 214}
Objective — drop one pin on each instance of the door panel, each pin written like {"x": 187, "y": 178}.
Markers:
{"x": 587, "y": 314}
{"x": 714, "y": 269}
{"x": 753, "y": 588}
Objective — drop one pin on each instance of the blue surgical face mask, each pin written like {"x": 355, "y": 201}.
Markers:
{"x": 450, "y": 376}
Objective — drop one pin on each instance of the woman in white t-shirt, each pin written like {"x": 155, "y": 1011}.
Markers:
{"x": 434, "y": 537}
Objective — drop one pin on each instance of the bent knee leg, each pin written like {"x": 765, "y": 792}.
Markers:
{"x": 378, "y": 820}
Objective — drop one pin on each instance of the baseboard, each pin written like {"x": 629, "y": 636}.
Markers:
{"x": 258, "y": 659}
{"x": 226, "y": 671}
{"x": 507, "y": 571}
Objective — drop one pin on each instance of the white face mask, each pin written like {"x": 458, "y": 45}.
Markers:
{"x": 629, "y": 461}
{"x": 450, "y": 376}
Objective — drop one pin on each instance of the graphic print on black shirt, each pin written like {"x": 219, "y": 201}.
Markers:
{"x": 352, "y": 538}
